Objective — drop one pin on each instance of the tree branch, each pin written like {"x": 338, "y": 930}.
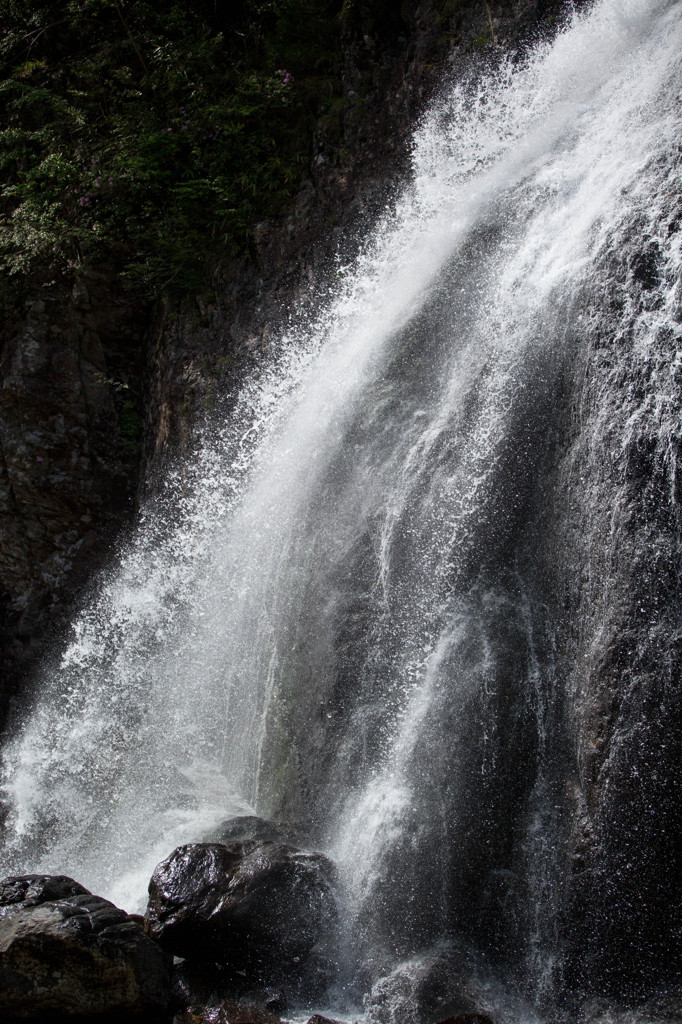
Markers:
{"x": 490, "y": 22}
{"x": 138, "y": 51}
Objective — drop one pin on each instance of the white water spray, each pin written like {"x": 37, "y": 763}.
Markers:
{"x": 324, "y": 617}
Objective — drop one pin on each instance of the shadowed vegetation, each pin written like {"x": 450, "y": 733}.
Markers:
{"x": 153, "y": 135}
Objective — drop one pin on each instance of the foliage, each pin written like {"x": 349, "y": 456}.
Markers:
{"x": 153, "y": 134}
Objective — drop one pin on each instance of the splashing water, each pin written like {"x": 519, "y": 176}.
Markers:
{"x": 340, "y": 613}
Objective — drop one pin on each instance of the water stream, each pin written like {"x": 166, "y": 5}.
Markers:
{"x": 369, "y": 606}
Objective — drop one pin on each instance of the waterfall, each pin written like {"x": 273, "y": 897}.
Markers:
{"x": 380, "y": 601}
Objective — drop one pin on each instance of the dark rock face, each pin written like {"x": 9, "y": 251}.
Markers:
{"x": 75, "y": 956}
{"x": 263, "y": 905}
{"x": 623, "y": 660}
{"x": 70, "y": 394}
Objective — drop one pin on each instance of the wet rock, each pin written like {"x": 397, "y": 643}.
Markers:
{"x": 204, "y": 984}
{"x": 310, "y": 986}
{"x": 263, "y": 983}
{"x": 435, "y": 986}
{"x": 317, "y": 1018}
{"x": 250, "y": 826}
{"x": 70, "y": 385}
{"x": 21, "y": 891}
{"x": 467, "y": 1018}
{"x": 201, "y": 984}
{"x": 645, "y": 266}
{"x": 261, "y": 906}
{"x": 275, "y": 1003}
{"x": 75, "y": 957}
{"x": 228, "y": 1012}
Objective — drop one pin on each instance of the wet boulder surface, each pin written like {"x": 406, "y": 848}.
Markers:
{"x": 18, "y": 892}
{"x": 440, "y": 985}
{"x": 259, "y": 906}
{"x": 68, "y": 955}
{"x": 250, "y": 826}
{"x": 228, "y": 1012}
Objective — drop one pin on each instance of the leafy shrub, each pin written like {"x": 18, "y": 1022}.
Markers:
{"x": 153, "y": 135}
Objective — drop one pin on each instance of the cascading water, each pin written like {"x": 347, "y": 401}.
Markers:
{"x": 377, "y": 602}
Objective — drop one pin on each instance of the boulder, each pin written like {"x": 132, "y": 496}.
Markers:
{"x": 21, "y": 891}
{"x": 250, "y": 826}
{"x": 435, "y": 985}
{"x": 69, "y": 955}
{"x": 257, "y": 905}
